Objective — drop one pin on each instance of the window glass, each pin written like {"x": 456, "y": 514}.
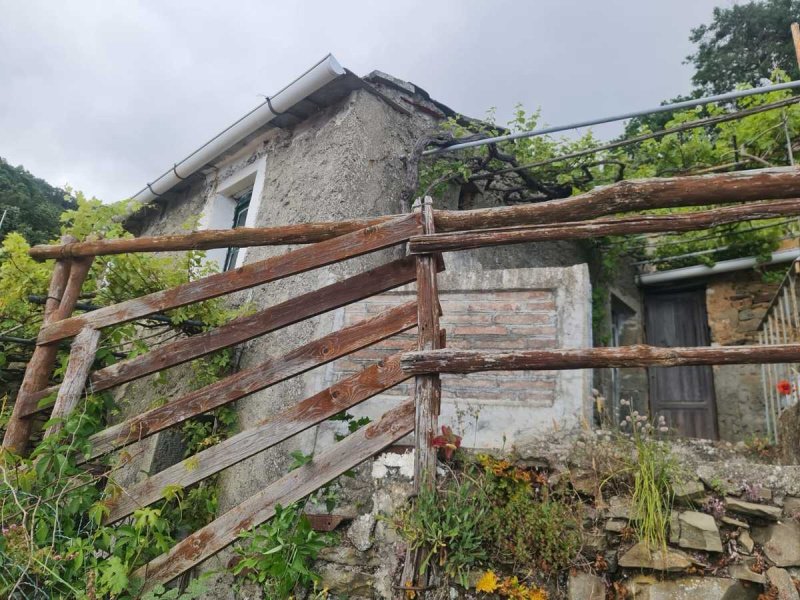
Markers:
{"x": 239, "y": 219}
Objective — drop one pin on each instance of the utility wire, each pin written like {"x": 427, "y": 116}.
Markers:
{"x": 644, "y": 137}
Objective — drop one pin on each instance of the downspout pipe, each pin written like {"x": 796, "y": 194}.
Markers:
{"x": 789, "y": 85}
{"x": 725, "y": 266}
{"x": 309, "y": 82}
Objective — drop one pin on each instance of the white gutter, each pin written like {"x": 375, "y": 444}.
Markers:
{"x": 309, "y": 82}
{"x": 725, "y": 266}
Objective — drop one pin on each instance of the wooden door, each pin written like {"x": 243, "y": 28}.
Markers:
{"x": 683, "y": 395}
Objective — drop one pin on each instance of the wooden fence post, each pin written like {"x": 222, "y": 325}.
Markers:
{"x": 62, "y": 294}
{"x": 428, "y": 388}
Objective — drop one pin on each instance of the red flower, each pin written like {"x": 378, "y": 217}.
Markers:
{"x": 449, "y": 441}
{"x": 784, "y": 387}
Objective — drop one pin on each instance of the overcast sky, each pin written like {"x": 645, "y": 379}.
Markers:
{"x": 104, "y": 96}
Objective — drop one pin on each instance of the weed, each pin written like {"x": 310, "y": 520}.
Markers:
{"x": 449, "y": 524}
{"x": 278, "y": 555}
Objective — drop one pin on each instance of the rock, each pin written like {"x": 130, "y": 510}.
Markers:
{"x": 781, "y": 542}
{"x": 619, "y": 508}
{"x": 640, "y": 557}
{"x": 693, "y": 588}
{"x": 594, "y": 542}
{"x": 674, "y": 527}
{"x": 746, "y": 542}
{"x": 735, "y": 522}
{"x": 783, "y": 583}
{"x": 616, "y": 525}
{"x": 585, "y": 586}
{"x": 687, "y": 492}
{"x": 699, "y": 531}
{"x": 764, "y": 511}
{"x": 347, "y": 581}
{"x": 360, "y": 532}
{"x": 791, "y": 507}
{"x": 744, "y": 573}
{"x": 342, "y": 554}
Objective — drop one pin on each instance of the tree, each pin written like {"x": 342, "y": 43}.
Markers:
{"x": 744, "y": 44}
{"x": 32, "y": 206}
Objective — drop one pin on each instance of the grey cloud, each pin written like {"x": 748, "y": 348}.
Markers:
{"x": 105, "y": 95}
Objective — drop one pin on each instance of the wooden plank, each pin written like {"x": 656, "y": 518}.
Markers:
{"x": 305, "y": 306}
{"x": 634, "y": 194}
{"x": 277, "y": 267}
{"x": 461, "y": 240}
{"x": 290, "y": 488}
{"x": 664, "y": 192}
{"x": 301, "y": 359}
{"x": 40, "y": 366}
{"x": 242, "y": 237}
{"x": 342, "y": 395}
{"x": 81, "y": 358}
{"x": 473, "y": 361}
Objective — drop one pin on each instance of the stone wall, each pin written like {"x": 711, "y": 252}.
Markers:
{"x": 736, "y": 303}
{"x": 733, "y": 533}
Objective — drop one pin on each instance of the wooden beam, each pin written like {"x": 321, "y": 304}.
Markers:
{"x": 40, "y": 366}
{"x": 290, "y": 488}
{"x": 81, "y": 358}
{"x": 473, "y": 361}
{"x": 635, "y": 194}
{"x": 795, "y": 27}
{"x": 461, "y": 240}
{"x": 241, "y": 237}
{"x": 297, "y": 261}
{"x": 342, "y": 395}
{"x": 308, "y": 356}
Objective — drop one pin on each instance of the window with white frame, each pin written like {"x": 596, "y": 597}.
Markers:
{"x": 235, "y": 204}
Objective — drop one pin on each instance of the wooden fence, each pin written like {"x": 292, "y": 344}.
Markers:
{"x": 776, "y": 192}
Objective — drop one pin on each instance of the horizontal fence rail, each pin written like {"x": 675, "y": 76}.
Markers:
{"x": 773, "y": 183}
{"x": 297, "y": 261}
{"x": 638, "y": 355}
{"x": 463, "y": 240}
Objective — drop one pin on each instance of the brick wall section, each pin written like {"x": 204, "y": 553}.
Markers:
{"x": 497, "y": 320}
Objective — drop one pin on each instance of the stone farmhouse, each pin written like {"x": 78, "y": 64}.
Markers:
{"x": 334, "y": 146}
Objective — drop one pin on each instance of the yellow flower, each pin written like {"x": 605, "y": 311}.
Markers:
{"x": 487, "y": 583}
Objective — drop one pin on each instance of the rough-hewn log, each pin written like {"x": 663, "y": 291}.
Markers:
{"x": 273, "y": 430}
{"x": 297, "y": 261}
{"x": 473, "y": 361}
{"x": 635, "y": 194}
{"x": 37, "y": 372}
{"x": 308, "y": 356}
{"x": 81, "y": 357}
{"x": 461, "y": 240}
{"x": 290, "y": 488}
{"x": 242, "y": 237}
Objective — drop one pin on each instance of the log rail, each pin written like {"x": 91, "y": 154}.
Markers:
{"x": 748, "y": 195}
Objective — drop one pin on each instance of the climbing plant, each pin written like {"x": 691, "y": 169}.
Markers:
{"x": 54, "y": 542}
